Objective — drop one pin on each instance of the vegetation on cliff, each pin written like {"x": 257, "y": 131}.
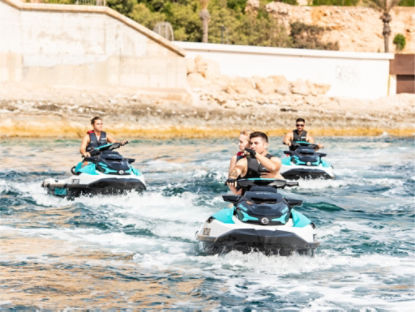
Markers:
{"x": 229, "y": 22}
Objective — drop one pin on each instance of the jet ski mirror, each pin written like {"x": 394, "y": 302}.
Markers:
{"x": 291, "y": 183}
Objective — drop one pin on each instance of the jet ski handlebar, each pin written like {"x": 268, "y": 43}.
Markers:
{"x": 277, "y": 183}
{"x": 107, "y": 147}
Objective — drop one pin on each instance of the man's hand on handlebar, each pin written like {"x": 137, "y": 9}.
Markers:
{"x": 86, "y": 154}
{"x": 231, "y": 182}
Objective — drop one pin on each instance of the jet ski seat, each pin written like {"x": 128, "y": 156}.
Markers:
{"x": 306, "y": 151}
{"x": 259, "y": 188}
{"x": 112, "y": 156}
{"x": 263, "y": 197}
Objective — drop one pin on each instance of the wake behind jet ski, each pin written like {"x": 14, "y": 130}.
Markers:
{"x": 304, "y": 162}
{"x": 260, "y": 220}
{"x": 104, "y": 172}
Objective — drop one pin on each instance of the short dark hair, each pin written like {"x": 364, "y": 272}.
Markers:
{"x": 95, "y": 119}
{"x": 258, "y": 134}
{"x": 300, "y": 119}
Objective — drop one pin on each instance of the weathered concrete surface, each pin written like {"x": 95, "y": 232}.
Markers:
{"x": 68, "y": 45}
{"x": 349, "y": 74}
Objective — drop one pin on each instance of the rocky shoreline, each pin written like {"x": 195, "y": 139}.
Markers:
{"x": 216, "y": 110}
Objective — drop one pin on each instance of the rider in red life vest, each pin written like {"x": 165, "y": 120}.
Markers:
{"x": 95, "y": 137}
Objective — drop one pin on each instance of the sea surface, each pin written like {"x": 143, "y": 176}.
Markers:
{"x": 138, "y": 252}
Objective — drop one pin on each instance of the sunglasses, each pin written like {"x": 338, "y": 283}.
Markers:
{"x": 300, "y": 125}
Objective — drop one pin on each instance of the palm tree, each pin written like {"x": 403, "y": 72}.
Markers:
{"x": 384, "y": 6}
{"x": 205, "y": 16}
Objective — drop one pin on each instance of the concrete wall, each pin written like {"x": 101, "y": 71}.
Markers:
{"x": 350, "y": 74}
{"x": 84, "y": 46}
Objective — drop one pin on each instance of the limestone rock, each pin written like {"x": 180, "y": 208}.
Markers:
{"x": 318, "y": 89}
{"x": 196, "y": 80}
{"x": 281, "y": 85}
{"x": 264, "y": 85}
{"x": 354, "y": 28}
{"x": 190, "y": 65}
{"x": 300, "y": 87}
{"x": 240, "y": 85}
{"x": 207, "y": 68}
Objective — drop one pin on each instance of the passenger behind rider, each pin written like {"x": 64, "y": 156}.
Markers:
{"x": 96, "y": 137}
{"x": 258, "y": 163}
{"x": 243, "y": 143}
{"x": 299, "y": 134}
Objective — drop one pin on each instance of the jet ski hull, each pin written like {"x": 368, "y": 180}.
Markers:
{"x": 106, "y": 185}
{"x": 295, "y": 172}
{"x": 217, "y": 237}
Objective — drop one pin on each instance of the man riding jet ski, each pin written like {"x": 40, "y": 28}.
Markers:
{"x": 302, "y": 160}
{"x": 103, "y": 171}
{"x": 260, "y": 220}
{"x": 255, "y": 163}
{"x": 305, "y": 162}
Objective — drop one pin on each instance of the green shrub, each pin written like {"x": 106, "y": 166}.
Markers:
{"x": 308, "y": 37}
{"x": 293, "y": 2}
{"x": 229, "y": 23}
{"x": 123, "y": 6}
{"x": 399, "y": 42}
{"x": 409, "y": 3}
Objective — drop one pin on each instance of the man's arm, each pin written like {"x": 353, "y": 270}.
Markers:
{"x": 310, "y": 139}
{"x": 288, "y": 139}
{"x": 84, "y": 144}
{"x": 272, "y": 165}
{"x": 238, "y": 170}
{"x": 111, "y": 139}
{"x": 278, "y": 164}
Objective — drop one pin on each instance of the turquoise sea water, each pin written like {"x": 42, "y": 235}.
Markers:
{"x": 139, "y": 252}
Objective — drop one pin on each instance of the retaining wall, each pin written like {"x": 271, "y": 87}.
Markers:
{"x": 350, "y": 74}
{"x": 72, "y": 45}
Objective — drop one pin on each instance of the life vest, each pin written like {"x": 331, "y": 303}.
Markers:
{"x": 94, "y": 142}
{"x": 299, "y": 136}
{"x": 255, "y": 169}
{"x": 239, "y": 156}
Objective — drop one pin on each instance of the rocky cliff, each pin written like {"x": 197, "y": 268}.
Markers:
{"x": 354, "y": 28}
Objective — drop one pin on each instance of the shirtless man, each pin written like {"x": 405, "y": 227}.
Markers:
{"x": 95, "y": 137}
{"x": 299, "y": 134}
{"x": 258, "y": 163}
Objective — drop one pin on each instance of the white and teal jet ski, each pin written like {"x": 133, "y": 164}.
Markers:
{"x": 105, "y": 172}
{"x": 304, "y": 162}
{"x": 260, "y": 220}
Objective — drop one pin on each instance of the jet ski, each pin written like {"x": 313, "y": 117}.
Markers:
{"x": 260, "y": 220}
{"x": 105, "y": 172}
{"x": 304, "y": 162}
